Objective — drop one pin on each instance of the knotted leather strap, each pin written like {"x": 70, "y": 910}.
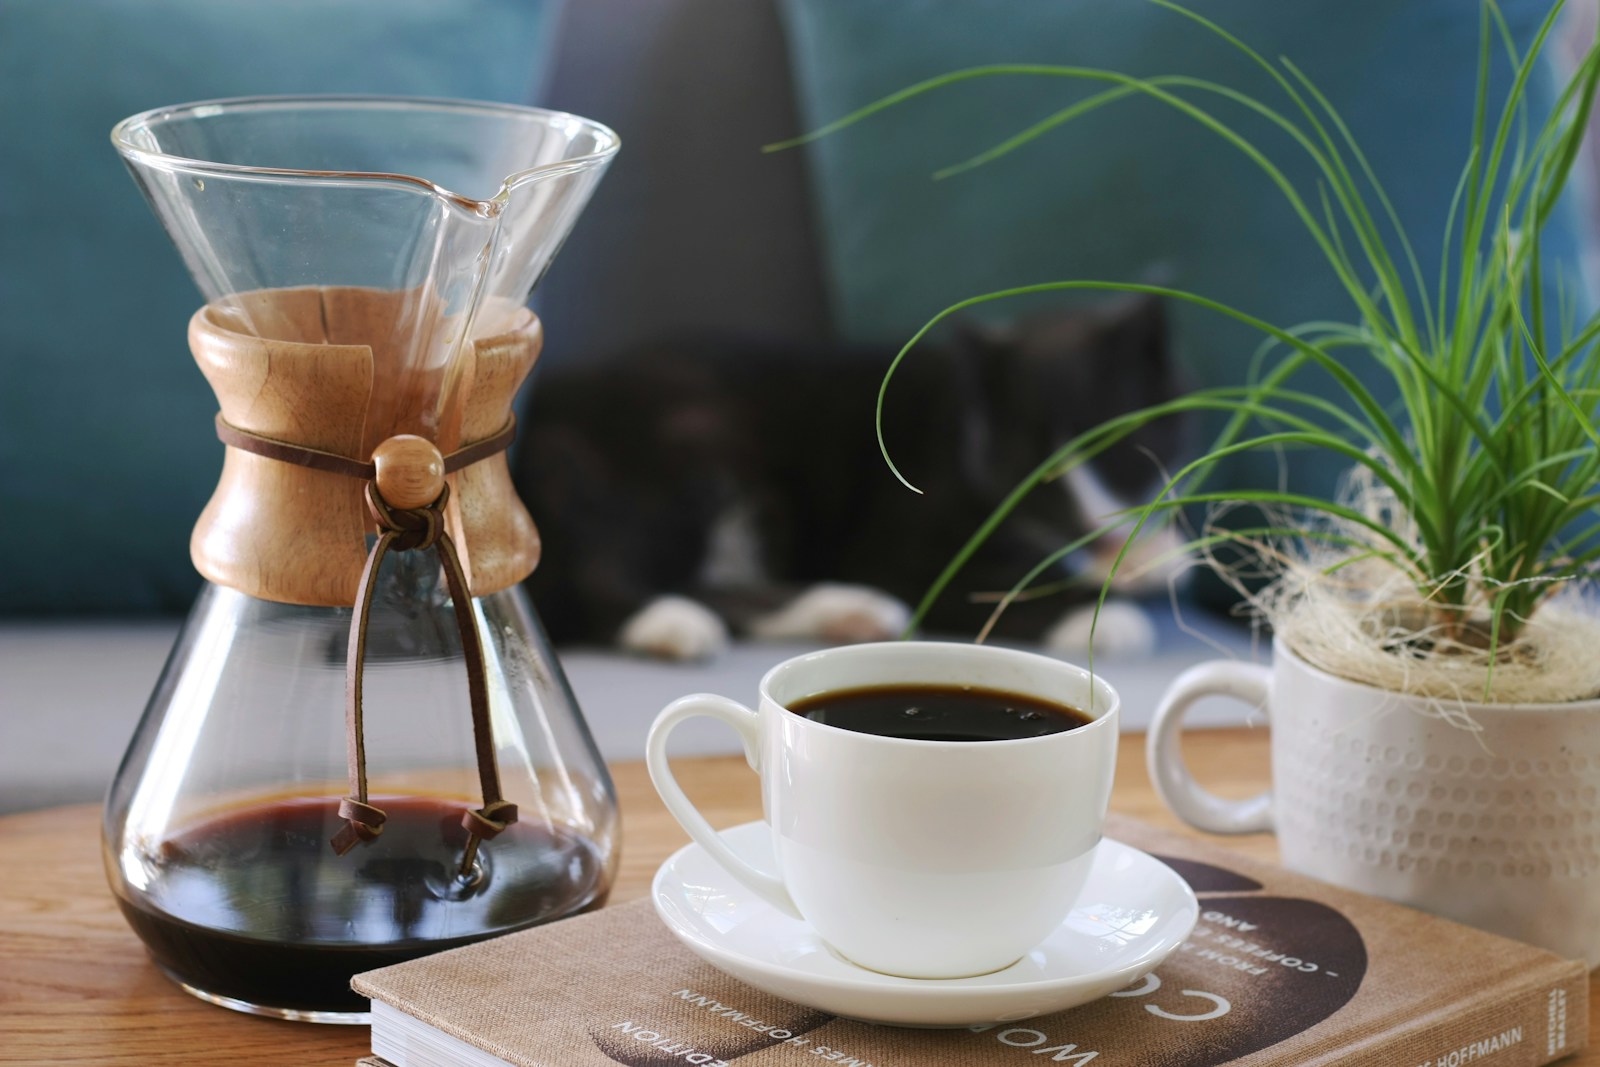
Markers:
{"x": 333, "y": 463}
{"x": 403, "y": 530}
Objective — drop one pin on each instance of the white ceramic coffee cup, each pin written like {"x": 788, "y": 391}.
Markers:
{"x": 925, "y": 859}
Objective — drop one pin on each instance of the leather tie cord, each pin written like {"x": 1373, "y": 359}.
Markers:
{"x": 333, "y": 463}
{"x": 403, "y": 530}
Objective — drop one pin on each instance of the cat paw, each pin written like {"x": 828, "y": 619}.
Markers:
{"x": 1124, "y": 631}
{"x": 841, "y": 614}
{"x": 674, "y": 627}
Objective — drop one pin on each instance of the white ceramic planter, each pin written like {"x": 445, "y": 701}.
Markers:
{"x": 1375, "y": 791}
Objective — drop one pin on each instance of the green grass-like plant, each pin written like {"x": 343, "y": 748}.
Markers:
{"x": 1485, "y": 471}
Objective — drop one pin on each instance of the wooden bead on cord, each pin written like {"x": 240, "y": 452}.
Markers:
{"x": 410, "y": 471}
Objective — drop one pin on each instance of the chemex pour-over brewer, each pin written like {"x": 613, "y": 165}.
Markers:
{"x": 361, "y": 749}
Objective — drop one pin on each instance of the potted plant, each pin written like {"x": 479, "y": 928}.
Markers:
{"x": 1436, "y": 727}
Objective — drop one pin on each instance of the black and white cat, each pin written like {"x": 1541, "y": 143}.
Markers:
{"x": 688, "y": 490}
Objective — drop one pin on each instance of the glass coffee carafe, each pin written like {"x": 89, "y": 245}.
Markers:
{"x": 361, "y": 749}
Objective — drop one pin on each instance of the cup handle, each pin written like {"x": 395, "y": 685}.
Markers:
{"x": 1190, "y": 801}
{"x": 747, "y": 723}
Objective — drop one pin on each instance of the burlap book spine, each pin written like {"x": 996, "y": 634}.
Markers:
{"x": 1540, "y": 1022}
{"x": 1281, "y": 970}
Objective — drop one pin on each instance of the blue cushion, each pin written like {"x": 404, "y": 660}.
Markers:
{"x": 1135, "y": 191}
{"x": 105, "y": 423}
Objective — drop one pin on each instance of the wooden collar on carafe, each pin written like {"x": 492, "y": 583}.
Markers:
{"x": 406, "y": 494}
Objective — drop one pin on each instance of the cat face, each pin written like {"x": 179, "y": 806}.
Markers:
{"x": 1050, "y": 377}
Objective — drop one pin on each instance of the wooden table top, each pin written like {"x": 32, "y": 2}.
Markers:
{"x": 76, "y": 986}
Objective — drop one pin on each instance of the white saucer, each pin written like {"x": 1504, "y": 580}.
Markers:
{"x": 1133, "y": 913}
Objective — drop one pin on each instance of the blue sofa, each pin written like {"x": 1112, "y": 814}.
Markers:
{"x": 105, "y": 424}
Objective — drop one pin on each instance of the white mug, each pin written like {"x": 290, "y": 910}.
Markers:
{"x": 1379, "y": 792}
{"x": 924, "y": 859}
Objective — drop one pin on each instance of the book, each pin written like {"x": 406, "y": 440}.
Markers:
{"x": 1280, "y": 970}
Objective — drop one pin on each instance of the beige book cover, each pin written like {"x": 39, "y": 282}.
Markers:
{"x": 1281, "y": 970}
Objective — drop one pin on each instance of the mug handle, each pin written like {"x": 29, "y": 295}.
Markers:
{"x": 747, "y": 723}
{"x": 1190, "y": 801}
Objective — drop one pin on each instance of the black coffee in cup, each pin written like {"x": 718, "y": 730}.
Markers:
{"x": 940, "y": 713}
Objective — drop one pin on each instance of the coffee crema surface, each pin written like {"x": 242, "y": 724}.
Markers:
{"x": 940, "y": 713}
